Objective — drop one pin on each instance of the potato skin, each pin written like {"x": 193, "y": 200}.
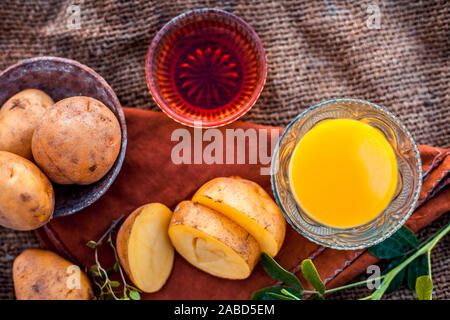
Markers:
{"x": 250, "y": 199}
{"x": 218, "y": 226}
{"x": 43, "y": 275}
{"x": 149, "y": 268}
{"x": 26, "y": 199}
{"x": 19, "y": 117}
{"x": 122, "y": 241}
{"x": 77, "y": 141}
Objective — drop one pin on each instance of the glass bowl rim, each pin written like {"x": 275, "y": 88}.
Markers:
{"x": 416, "y": 193}
{"x": 185, "y": 120}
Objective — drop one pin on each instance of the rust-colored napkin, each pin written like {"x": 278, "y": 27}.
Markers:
{"x": 149, "y": 175}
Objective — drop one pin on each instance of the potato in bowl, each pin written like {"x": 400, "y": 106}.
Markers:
{"x": 61, "y": 78}
{"x": 19, "y": 117}
{"x": 77, "y": 141}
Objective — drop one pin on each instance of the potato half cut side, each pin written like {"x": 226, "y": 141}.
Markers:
{"x": 144, "y": 247}
{"x": 249, "y": 205}
{"x": 212, "y": 242}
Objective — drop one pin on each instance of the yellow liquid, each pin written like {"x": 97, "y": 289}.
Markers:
{"x": 343, "y": 173}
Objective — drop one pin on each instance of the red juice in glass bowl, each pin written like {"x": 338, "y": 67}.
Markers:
{"x": 206, "y": 68}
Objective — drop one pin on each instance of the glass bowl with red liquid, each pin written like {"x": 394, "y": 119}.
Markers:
{"x": 206, "y": 68}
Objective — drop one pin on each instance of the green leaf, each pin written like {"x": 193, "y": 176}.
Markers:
{"x": 263, "y": 294}
{"x": 116, "y": 266}
{"x": 94, "y": 269}
{"x": 388, "y": 249}
{"x": 395, "y": 245}
{"x": 277, "y": 296}
{"x": 424, "y": 287}
{"x": 399, "y": 278}
{"x": 317, "y": 297}
{"x": 109, "y": 270}
{"x": 135, "y": 295}
{"x": 312, "y": 276}
{"x": 114, "y": 284}
{"x": 406, "y": 237}
{"x": 278, "y": 273}
{"x": 107, "y": 296}
{"x": 418, "y": 267}
{"x": 92, "y": 244}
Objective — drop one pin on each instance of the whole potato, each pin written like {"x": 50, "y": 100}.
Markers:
{"x": 44, "y": 275}
{"x": 19, "y": 117}
{"x": 26, "y": 195}
{"x": 77, "y": 141}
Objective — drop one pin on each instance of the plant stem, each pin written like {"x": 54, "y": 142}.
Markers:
{"x": 107, "y": 282}
{"x": 310, "y": 292}
{"x": 391, "y": 275}
{"x": 287, "y": 293}
{"x": 125, "y": 285}
{"x": 429, "y": 263}
{"x": 110, "y": 229}
{"x": 353, "y": 284}
{"x": 387, "y": 278}
{"x": 102, "y": 272}
{"x": 346, "y": 286}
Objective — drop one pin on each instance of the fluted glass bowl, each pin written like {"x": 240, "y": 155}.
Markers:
{"x": 206, "y": 68}
{"x": 409, "y": 165}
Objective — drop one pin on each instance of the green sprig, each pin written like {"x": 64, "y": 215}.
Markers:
{"x": 403, "y": 248}
{"x": 105, "y": 286}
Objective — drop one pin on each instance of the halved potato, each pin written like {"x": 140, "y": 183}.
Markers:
{"x": 212, "y": 242}
{"x": 247, "y": 204}
{"x": 144, "y": 247}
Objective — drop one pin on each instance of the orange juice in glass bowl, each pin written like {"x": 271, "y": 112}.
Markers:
{"x": 346, "y": 174}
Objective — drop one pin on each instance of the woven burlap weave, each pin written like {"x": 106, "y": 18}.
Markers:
{"x": 316, "y": 50}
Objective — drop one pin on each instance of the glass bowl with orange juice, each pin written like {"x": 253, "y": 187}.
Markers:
{"x": 346, "y": 174}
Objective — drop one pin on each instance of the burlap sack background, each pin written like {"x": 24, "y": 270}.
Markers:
{"x": 316, "y": 50}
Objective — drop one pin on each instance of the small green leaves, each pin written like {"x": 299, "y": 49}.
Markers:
{"x": 134, "y": 295}
{"x": 418, "y": 267}
{"x": 409, "y": 260}
{"x": 102, "y": 275}
{"x": 114, "y": 284}
{"x": 396, "y": 245}
{"x": 94, "y": 270}
{"x": 424, "y": 287}
{"x": 295, "y": 297}
{"x": 285, "y": 292}
{"x": 92, "y": 244}
{"x": 270, "y": 293}
{"x": 277, "y": 296}
{"x": 278, "y": 273}
{"x": 312, "y": 276}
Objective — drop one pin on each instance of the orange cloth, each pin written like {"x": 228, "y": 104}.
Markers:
{"x": 148, "y": 175}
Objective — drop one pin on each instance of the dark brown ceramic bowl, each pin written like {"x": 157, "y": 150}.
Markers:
{"x": 62, "y": 78}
